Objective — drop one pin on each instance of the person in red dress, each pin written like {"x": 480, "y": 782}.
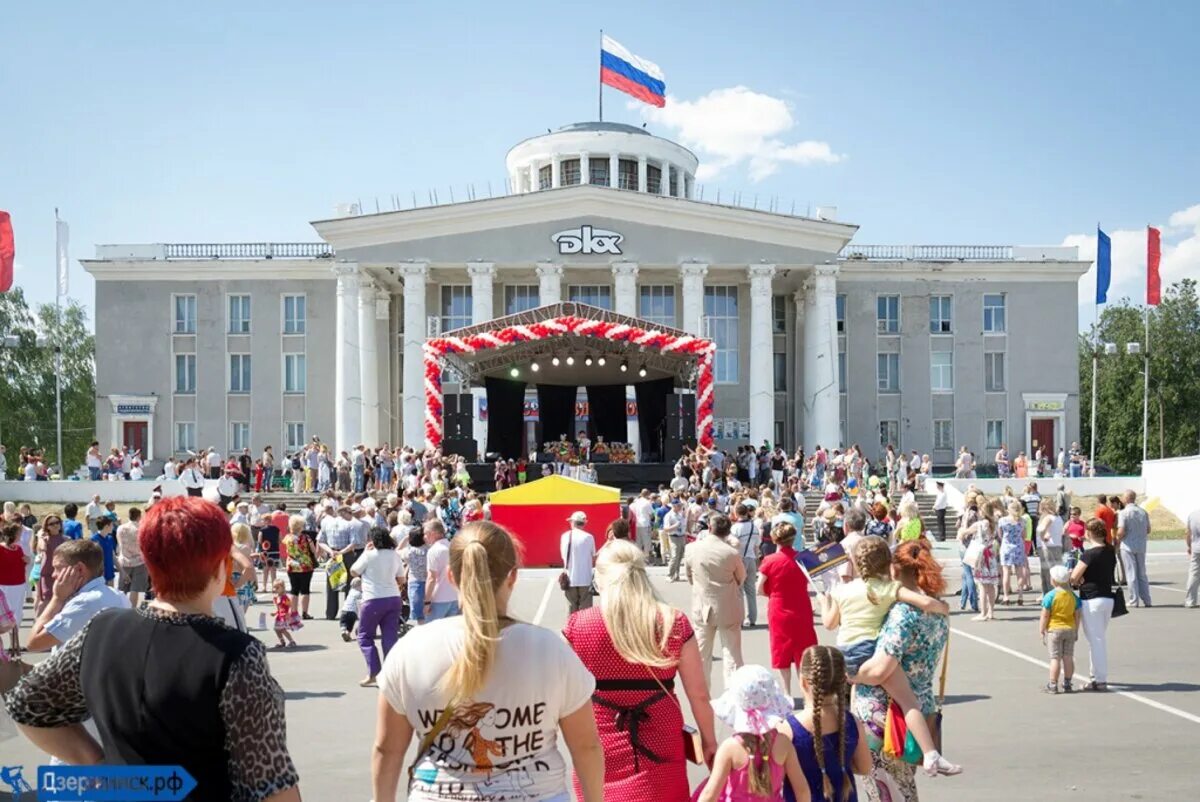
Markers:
{"x": 790, "y": 628}
{"x": 635, "y": 658}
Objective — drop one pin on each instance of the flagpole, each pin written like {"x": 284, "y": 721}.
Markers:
{"x": 1095, "y": 350}
{"x": 600, "y": 80}
{"x": 1146, "y": 393}
{"x": 58, "y": 356}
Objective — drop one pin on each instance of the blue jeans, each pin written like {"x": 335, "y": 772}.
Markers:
{"x": 94, "y": 474}
{"x": 442, "y": 610}
{"x": 970, "y": 593}
{"x": 858, "y": 653}
{"x": 416, "y": 601}
{"x": 267, "y": 475}
{"x": 360, "y": 480}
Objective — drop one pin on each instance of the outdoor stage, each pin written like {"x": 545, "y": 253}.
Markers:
{"x": 629, "y": 479}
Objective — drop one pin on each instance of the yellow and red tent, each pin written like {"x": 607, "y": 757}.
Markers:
{"x": 536, "y": 513}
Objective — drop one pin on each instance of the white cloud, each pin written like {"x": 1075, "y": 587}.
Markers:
{"x": 735, "y": 126}
{"x": 1180, "y": 258}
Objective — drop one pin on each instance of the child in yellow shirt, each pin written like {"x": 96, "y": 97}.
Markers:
{"x": 1060, "y": 628}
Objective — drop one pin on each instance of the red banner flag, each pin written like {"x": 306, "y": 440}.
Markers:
{"x": 1153, "y": 257}
{"x": 8, "y": 252}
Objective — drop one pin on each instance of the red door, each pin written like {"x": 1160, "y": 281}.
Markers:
{"x": 135, "y": 433}
{"x": 1042, "y": 432}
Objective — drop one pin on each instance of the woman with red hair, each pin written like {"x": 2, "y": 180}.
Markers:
{"x": 204, "y": 695}
{"x": 910, "y": 641}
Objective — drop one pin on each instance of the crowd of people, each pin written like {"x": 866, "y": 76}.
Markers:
{"x": 420, "y": 579}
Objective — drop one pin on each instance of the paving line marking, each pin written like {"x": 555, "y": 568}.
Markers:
{"x": 1137, "y": 697}
{"x": 541, "y": 610}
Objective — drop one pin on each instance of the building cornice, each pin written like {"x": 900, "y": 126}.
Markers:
{"x": 581, "y": 201}
{"x": 208, "y": 270}
{"x": 1005, "y": 271}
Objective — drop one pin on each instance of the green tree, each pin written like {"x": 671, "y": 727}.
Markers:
{"x": 27, "y": 363}
{"x": 1174, "y": 398}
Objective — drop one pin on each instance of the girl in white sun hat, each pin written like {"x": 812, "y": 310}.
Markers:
{"x": 751, "y": 764}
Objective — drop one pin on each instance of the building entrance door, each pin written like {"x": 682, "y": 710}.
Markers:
{"x": 1041, "y": 431}
{"x": 134, "y": 435}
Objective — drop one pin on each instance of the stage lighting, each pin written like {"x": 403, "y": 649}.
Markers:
{"x": 624, "y": 366}
{"x": 554, "y": 361}
{"x": 535, "y": 367}
{"x": 600, "y": 361}
{"x": 588, "y": 361}
{"x": 642, "y": 372}
{"x": 514, "y": 372}
{"x": 570, "y": 360}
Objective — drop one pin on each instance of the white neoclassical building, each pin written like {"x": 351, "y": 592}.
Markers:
{"x": 818, "y": 340}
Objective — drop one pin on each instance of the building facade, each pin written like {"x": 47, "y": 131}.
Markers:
{"x": 818, "y": 340}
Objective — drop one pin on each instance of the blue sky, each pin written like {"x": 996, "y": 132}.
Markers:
{"x": 927, "y": 122}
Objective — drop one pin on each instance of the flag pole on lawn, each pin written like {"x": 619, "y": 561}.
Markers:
{"x": 1103, "y": 276}
{"x": 61, "y": 246}
{"x": 1153, "y": 298}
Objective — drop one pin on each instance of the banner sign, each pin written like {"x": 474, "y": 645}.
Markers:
{"x": 114, "y": 783}
{"x": 133, "y": 409}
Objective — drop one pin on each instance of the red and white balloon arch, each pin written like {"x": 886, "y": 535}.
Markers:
{"x": 436, "y": 348}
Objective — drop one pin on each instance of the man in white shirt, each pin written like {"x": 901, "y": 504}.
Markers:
{"x": 227, "y": 489}
{"x": 441, "y": 597}
{"x": 93, "y": 512}
{"x": 578, "y": 551}
{"x": 1192, "y": 597}
{"x": 213, "y": 460}
{"x": 940, "y": 503}
{"x": 170, "y": 469}
{"x": 744, "y": 538}
{"x": 674, "y": 523}
{"x": 643, "y": 512}
{"x": 192, "y": 478}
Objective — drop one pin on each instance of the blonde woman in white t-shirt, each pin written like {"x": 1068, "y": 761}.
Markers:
{"x": 485, "y": 696}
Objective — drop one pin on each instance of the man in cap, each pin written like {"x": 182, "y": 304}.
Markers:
{"x": 674, "y": 527}
{"x": 342, "y": 535}
{"x": 578, "y": 550}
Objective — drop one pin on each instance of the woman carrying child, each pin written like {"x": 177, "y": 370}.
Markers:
{"x": 857, "y": 610}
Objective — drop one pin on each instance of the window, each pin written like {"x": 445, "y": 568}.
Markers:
{"x": 721, "y": 312}
{"x": 239, "y": 435}
{"x": 841, "y": 314}
{"x": 887, "y": 314}
{"x": 185, "y": 436}
{"x": 889, "y": 434}
{"x": 627, "y": 171}
{"x": 939, "y": 314}
{"x": 598, "y": 171}
{"x": 778, "y": 314}
{"x": 185, "y": 314}
{"x": 520, "y": 298}
{"x": 591, "y": 294}
{"x": 294, "y": 436}
{"x": 295, "y": 313}
{"x": 993, "y": 313}
{"x": 993, "y": 372}
{"x": 842, "y": 372}
{"x": 653, "y": 179}
{"x": 239, "y": 314}
{"x": 239, "y": 373}
{"x": 995, "y": 433}
{"x": 656, "y": 303}
{"x": 568, "y": 172}
{"x": 889, "y": 373}
{"x": 941, "y": 372}
{"x": 456, "y": 306}
{"x": 295, "y": 377}
{"x": 780, "y": 364}
{"x": 544, "y": 177}
{"x": 185, "y": 373}
{"x": 943, "y": 435}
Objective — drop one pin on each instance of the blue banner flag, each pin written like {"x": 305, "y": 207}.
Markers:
{"x": 114, "y": 783}
{"x": 1103, "y": 265}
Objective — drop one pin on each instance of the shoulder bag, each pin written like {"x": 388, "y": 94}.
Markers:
{"x": 693, "y": 746}
{"x": 898, "y": 742}
{"x": 438, "y": 727}
{"x": 564, "y": 578}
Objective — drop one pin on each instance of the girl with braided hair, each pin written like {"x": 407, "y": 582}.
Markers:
{"x": 858, "y": 609}
{"x": 829, "y": 741}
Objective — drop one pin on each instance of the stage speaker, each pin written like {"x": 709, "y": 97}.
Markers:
{"x": 461, "y": 446}
{"x": 672, "y": 449}
{"x": 460, "y": 425}
{"x": 459, "y": 403}
{"x": 687, "y": 414}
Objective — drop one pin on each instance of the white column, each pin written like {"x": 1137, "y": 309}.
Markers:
{"x": 800, "y": 409}
{"x": 822, "y": 418}
{"x": 414, "y": 275}
{"x": 482, "y": 276}
{"x": 533, "y": 177}
{"x": 614, "y": 170}
{"x": 761, "y": 380}
{"x": 555, "y": 171}
{"x": 585, "y": 167}
{"x": 641, "y": 173}
{"x": 664, "y": 183}
{"x": 347, "y": 401}
{"x": 368, "y": 364}
{"x": 693, "y": 295}
{"x": 625, "y": 288}
{"x": 549, "y": 283}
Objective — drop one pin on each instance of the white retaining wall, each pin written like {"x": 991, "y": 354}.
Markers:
{"x": 1175, "y": 482}
{"x": 82, "y": 492}
{"x": 1083, "y": 486}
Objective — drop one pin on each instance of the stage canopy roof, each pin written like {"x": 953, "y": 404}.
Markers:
{"x": 502, "y": 359}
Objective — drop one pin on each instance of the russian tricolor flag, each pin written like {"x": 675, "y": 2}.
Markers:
{"x": 635, "y": 76}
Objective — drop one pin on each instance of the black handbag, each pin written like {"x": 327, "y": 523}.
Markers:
{"x": 1119, "y": 606}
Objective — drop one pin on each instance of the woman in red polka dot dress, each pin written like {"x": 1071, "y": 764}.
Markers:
{"x": 635, "y": 646}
